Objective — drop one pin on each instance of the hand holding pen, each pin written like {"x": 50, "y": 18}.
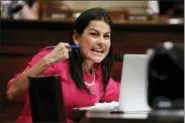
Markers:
{"x": 60, "y": 52}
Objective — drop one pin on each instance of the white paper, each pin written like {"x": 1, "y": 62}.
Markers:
{"x": 101, "y": 107}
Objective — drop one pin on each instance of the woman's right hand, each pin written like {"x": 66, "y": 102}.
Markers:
{"x": 21, "y": 83}
{"x": 59, "y": 53}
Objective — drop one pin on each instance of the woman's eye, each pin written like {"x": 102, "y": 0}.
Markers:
{"x": 94, "y": 34}
{"x": 107, "y": 36}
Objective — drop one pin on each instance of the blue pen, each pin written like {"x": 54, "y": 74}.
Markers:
{"x": 72, "y": 46}
{"x": 68, "y": 47}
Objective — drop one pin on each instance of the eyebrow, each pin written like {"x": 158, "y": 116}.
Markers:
{"x": 98, "y": 31}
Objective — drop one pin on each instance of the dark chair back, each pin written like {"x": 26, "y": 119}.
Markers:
{"x": 46, "y": 100}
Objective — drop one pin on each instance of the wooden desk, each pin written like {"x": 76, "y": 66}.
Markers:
{"x": 152, "y": 117}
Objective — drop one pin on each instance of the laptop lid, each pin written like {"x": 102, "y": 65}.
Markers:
{"x": 133, "y": 93}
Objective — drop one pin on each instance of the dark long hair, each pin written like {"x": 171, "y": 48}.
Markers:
{"x": 76, "y": 59}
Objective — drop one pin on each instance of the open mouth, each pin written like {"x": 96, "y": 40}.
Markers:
{"x": 98, "y": 51}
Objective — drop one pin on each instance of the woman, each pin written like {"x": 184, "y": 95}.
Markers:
{"x": 24, "y": 10}
{"x": 32, "y": 12}
{"x": 85, "y": 73}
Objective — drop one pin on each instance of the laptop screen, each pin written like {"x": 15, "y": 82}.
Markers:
{"x": 133, "y": 93}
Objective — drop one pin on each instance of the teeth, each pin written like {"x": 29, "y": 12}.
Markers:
{"x": 97, "y": 50}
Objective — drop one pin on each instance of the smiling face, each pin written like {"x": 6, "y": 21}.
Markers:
{"x": 95, "y": 41}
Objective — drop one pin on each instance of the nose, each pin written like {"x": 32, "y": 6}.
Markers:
{"x": 101, "y": 40}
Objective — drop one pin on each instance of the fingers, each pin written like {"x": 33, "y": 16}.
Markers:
{"x": 62, "y": 47}
{"x": 59, "y": 53}
{"x": 65, "y": 50}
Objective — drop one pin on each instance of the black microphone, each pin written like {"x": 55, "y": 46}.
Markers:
{"x": 166, "y": 76}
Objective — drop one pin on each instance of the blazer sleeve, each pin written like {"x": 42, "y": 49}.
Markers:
{"x": 34, "y": 60}
{"x": 112, "y": 91}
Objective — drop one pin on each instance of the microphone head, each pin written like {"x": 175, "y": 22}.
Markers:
{"x": 166, "y": 75}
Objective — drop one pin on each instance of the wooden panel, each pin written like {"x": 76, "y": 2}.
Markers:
{"x": 9, "y": 66}
{"x": 10, "y": 111}
{"x": 138, "y": 42}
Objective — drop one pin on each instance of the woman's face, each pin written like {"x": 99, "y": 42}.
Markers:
{"x": 95, "y": 41}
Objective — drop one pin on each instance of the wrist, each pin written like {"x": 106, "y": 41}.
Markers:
{"x": 38, "y": 68}
{"x": 46, "y": 61}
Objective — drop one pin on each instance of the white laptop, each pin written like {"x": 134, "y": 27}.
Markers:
{"x": 133, "y": 93}
{"x": 133, "y": 90}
